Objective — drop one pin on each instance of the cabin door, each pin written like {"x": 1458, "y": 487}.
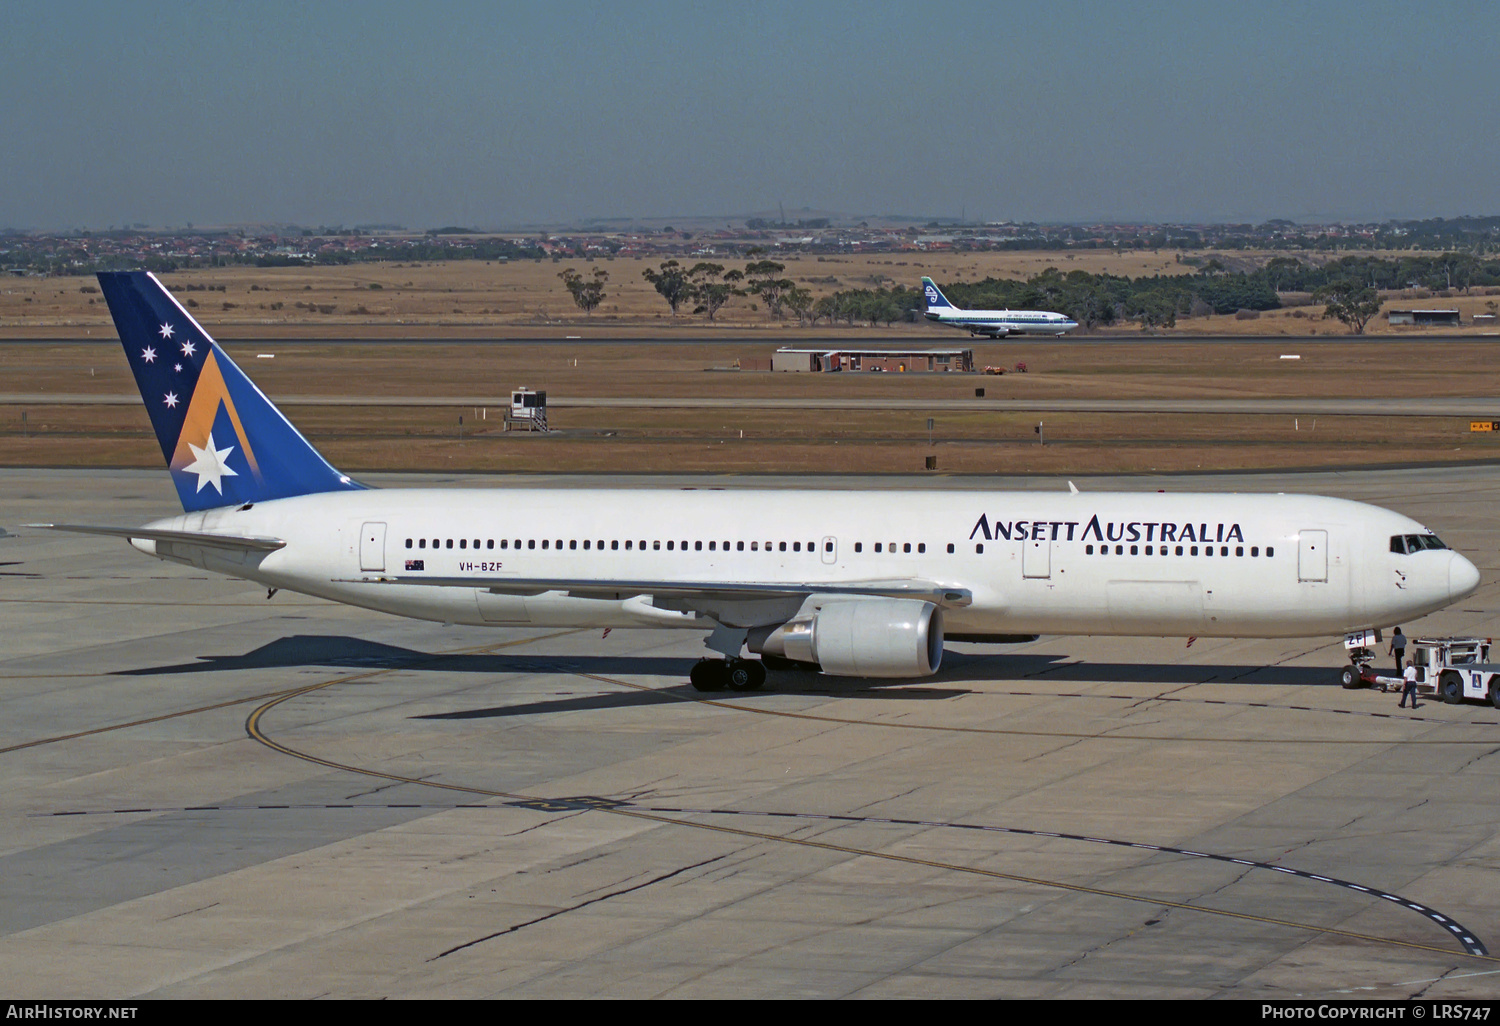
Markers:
{"x": 372, "y": 547}
{"x": 1036, "y": 557}
{"x": 1312, "y": 556}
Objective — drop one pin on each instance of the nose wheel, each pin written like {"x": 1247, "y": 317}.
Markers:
{"x": 735, "y": 674}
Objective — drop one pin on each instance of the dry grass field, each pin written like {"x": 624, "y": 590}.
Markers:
{"x": 526, "y": 299}
{"x": 363, "y": 438}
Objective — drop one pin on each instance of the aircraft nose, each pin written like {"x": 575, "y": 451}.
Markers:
{"x": 1463, "y": 577}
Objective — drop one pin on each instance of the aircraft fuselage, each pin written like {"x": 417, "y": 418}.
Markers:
{"x": 1028, "y": 562}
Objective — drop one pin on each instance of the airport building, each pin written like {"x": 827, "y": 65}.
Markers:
{"x": 895, "y": 361}
{"x": 1443, "y": 318}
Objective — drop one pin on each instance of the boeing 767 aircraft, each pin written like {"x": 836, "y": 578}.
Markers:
{"x": 993, "y": 323}
{"x": 857, "y": 583}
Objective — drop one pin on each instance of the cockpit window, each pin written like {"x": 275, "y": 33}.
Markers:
{"x": 1408, "y": 543}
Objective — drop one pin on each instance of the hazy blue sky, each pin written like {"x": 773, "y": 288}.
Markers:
{"x": 498, "y": 114}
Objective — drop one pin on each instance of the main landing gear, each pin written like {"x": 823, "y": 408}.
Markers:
{"x": 735, "y": 674}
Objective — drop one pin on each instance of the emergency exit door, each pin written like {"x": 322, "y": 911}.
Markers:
{"x": 1312, "y": 556}
{"x": 372, "y": 547}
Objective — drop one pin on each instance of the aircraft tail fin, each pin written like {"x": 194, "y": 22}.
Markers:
{"x": 225, "y": 443}
{"x": 935, "y": 297}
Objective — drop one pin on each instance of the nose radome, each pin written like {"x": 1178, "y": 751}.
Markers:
{"x": 1463, "y": 577}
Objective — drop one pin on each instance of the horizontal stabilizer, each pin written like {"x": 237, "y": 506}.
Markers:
{"x": 211, "y": 541}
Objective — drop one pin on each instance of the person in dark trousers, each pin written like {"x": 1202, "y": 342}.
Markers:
{"x": 1398, "y": 648}
{"x": 1409, "y": 684}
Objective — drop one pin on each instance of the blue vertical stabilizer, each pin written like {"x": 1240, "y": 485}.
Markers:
{"x": 225, "y": 443}
{"x": 935, "y": 298}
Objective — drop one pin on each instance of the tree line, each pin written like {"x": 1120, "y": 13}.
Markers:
{"x": 1349, "y": 288}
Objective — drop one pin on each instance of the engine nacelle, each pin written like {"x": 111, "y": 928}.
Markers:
{"x": 861, "y": 638}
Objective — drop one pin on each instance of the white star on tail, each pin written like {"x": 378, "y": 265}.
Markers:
{"x": 148, "y": 354}
{"x": 171, "y": 400}
{"x": 188, "y": 349}
{"x": 209, "y": 465}
{"x": 166, "y": 331}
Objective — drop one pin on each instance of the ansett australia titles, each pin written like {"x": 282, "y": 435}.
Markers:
{"x": 1093, "y": 530}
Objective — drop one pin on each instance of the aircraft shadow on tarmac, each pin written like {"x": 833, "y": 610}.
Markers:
{"x": 1036, "y": 669}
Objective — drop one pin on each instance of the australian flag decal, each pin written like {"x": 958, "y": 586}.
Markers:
{"x": 416, "y": 564}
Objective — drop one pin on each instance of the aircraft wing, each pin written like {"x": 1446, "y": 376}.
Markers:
{"x": 938, "y": 594}
{"x": 238, "y": 543}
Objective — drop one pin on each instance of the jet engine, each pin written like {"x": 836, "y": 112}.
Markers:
{"x": 860, "y": 638}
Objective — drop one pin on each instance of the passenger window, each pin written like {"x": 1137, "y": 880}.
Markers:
{"x": 1119, "y": 550}
{"x": 531, "y": 543}
{"x": 504, "y": 543}
{"x": 859, "y": 547}
{"x": 615, "y": 544}
{"x": 1239, "y": 550}
{"x": 463, "y": 543}
{"x": 1148, "y": 550}
{"x": 1179, "y": 550}
{"x": 544, "y": 543}
{"x": 572, "y": 543}
{"x": 739, "y": 546}
{"x": 669, "y": 546}
{"x": 1088, "y": 550}
{"x": 655, "y": 546}
{"x": 1255, "y": 550}
{"x": 1208, "y": 550}
{"x": 1134, "y": 550}
{"x": 1270, "y": 552}
{"x": 1193, "y": 551}
{"x": 781, "y": 547}
{"x": 950, "y": 547}
{"x": 796, "y": 546}
{"x": 489, "y": 543}
{"x": 421, "y": 543}
{"x": 906, "y": 547}
{"x": 697, "y": 546}
{"x": 450, "y": 543}
{"x": 408, "y": 543}
{"x": 1223, "y": 550}
{"x": 979, "y": 549}
{"x": 711, "y": 546}
{"x": 921, "y": 546}
{"x": 755, "y": 546}
{"x": 877, "y": 546}
{"x": 627, "y": 544}
{"x": 585, "y": 543}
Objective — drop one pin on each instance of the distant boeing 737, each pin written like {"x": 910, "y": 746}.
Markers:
{"x": 993, "y": 323}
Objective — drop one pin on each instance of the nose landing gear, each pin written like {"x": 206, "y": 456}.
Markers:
{"x": 735, "y": 674}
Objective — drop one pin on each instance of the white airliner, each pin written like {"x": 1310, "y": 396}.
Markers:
{"x": 861, "y": 583}
{"x": 993, "y": 323}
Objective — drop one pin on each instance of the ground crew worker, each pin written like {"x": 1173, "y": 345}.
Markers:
{"x": 1398, "y": 647}
{"x": 1409, "y": 684}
